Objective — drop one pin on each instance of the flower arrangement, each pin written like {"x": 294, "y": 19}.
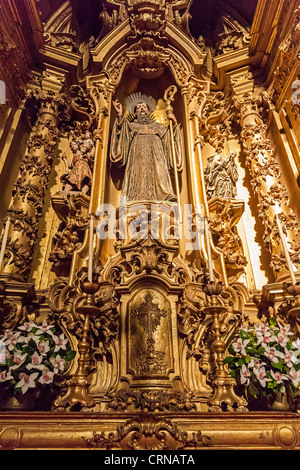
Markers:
{"x": 265, "y": 359}
{"x": 32, "y": 355}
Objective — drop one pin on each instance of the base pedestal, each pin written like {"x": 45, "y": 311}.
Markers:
{"x": 215, "y": 431}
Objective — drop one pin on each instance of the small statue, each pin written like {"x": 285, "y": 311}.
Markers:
{"x": 221, "y": 177}
{"x": 79, "y": 174}
{"x": 88, "y": 143}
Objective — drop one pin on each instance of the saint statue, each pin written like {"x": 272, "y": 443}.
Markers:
{"x": 144, "y": 148}
{"x": 79, "y": 174}
{"x": 221, "y": 177}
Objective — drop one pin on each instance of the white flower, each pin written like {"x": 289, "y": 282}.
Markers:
{"x": 245, "y": 375}
{"x": 264, "y": 337}
{"x": 27, "y": 326}
{"x": 13, "y": 338}
{"x": 296, "y": 344}
{"x": 261, "y": 329}
{"x": 60, "y": 342}
{"x": 26, "y": 381}
{"x": 35, "y": 362}
{"x": 5, "y": 375}
{"x": 294, "y": 376}
{"x": 282, "y": 339}
{"x": 285, "y": 329}
{"x": 240, "y": 345}
{"x": 290, "y": 357}
{"x": 47, "y": 376}
{"x": 273, "y": 354}
{"x": 32, "y": 336}
{"x": 246, "y": 328}
{"x": 58, "y": 363}
{"x": 43, "y": 347}
{"x": 278, "y": 376}
{"x": 254, "y": 362}
{"x": 261, "y": 376}
{"x": 44, "y": 328}
{"x": 18, "y": 360}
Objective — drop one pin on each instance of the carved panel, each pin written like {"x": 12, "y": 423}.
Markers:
{"x": 149, "y": 334}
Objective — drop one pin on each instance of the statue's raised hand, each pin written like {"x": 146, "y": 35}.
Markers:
{"x": 118, "y": 107}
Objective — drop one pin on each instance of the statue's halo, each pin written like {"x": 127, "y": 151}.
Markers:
{"x": 135, "y": 98}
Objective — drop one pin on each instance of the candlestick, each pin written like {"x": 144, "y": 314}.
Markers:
{"x": 286, "y": 251}
{"x": 4, "y": 242}
{"x": 210, "y": 266}
{"x": 90, "y": 265}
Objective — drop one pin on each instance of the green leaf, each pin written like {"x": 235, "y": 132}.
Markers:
{"x": 273, "y": 321}
{"x": 245, "y": 335}
{"x": 248, "y": 358}
{"x": 227, "y": 360}
{"x": 70, "y": 355}
{"x": 253, "y": 390}
{"x": 276, "y": 365}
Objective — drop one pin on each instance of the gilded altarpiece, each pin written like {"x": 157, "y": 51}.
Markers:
{"x": 150, "y": 309}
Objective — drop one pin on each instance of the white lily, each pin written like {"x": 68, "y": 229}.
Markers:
{"x": 264, "y": 338}
{"x": 261, "y": 376}
{"x": 273, "y": 354}
{"x": 255, "y": 363}
{"x": 296, "y": 344}
{"x": 58, "y": 364}
{"x": 240, "y": 345}
{"x": 294, "y": 376}
{"x": 261, "y": 328}
{"x": 282, "y": 339}
{"x": 290, "y": 357}
{"x": 36, "y": 361}
{"x": 60, "y": 342}
{"x": 13, "y": 338}
{"x": 5, "y": 376}
{"x": 46, "y": 377}
{"x": 43, "y": 347}
{"x": 18, "y": 360}
{"x": 27, "y": 326}
{"x": 32, "y": 336}
{"x": 44, "y": 328}
{"x": 26, "y": 381}
{"x": 278, "y": 376}
{"x": 285, "y": 329}
{"x": 245, "y": 375}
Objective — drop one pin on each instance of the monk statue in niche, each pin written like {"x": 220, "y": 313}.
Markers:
{"x": 144, "y": 148}
{"x": 221, "y": 177}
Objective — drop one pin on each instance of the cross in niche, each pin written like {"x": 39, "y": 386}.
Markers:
{"x": 149, "y": 315}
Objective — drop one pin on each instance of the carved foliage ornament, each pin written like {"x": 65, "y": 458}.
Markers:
{"x": 147, "y": 433}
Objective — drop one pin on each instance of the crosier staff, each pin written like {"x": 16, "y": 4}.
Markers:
{"x": 169, "y": 97}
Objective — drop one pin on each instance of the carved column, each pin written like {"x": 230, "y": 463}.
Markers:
{"x": 196, "y": 97}
{"x": 28, "y": 194}
{"x": 266, "y": 179}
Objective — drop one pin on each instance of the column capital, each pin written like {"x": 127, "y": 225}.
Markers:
{"x": 241, "y": 81}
